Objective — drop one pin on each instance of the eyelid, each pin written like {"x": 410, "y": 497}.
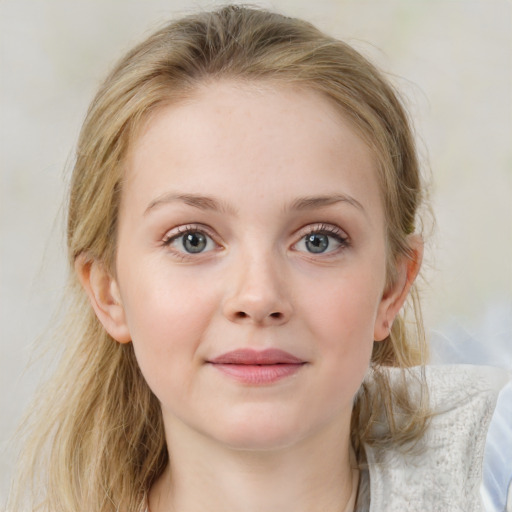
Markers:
{"x": 183, "y": 229}
{"x": 324, "y": 228}
{"x": 330, "y": 230}
{"x": 179, "y": 231}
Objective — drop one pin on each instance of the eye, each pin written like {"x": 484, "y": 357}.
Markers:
{"x": 190, "y": 240}
{"x": 317, "y": 242}
{"x": 322, "y": 240}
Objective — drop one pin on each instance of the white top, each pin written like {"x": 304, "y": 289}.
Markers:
{"x": 445, "y": 475}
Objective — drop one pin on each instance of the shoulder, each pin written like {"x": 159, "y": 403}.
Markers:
{"x": 453, "y": 386}
{"x": 443, "y": 471}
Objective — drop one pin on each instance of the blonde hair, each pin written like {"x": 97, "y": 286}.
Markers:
{"x": 97, "y": 440}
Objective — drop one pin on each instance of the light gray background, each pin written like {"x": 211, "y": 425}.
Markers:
{"x": 452, "y": 59}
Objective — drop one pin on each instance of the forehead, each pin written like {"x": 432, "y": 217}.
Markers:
{"x": 261, "y": 138}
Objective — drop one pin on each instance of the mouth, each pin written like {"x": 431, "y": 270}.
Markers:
{"x": 255, "y": 367}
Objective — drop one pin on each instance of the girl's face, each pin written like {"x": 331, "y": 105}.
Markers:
{"x": 251, "y": 264}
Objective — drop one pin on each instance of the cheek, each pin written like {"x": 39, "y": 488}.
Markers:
{"x": 166, "y": 319}
{"x": 343, "y": 311}
{"x": 341, "y": 319}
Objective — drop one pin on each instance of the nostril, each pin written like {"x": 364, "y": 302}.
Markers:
{"x": 242, "y": 315}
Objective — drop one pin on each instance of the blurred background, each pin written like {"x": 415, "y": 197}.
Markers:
{"x": 452, "y": 60}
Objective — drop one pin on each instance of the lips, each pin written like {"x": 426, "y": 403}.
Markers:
{"x": 255, "y": 357}
{"x": 255, "y": 367}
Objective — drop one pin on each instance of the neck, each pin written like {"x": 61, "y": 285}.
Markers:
{"x": 312, "y": 475}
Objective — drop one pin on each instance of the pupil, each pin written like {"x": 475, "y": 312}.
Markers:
{"x": 194, "y": 242}
{"x": 317, "y": 242}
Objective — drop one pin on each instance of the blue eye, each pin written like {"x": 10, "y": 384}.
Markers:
{"x": 317, "y": 242}
{"x": 194, "y": 242}
{"x": 191, "y": 241}
{"x": 321, "y": 241}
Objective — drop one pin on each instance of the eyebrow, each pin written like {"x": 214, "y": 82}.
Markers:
{"x": 209, "y": 203}
{"x": 195, "y": 200}
{"x": 312, "y": 202}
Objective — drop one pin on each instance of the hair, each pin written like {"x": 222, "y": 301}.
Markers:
{"x": 97, "y": 440}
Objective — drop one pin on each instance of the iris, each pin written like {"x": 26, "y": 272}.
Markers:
{"x": 194, "y": 242}
{"x": 317, "y": 242}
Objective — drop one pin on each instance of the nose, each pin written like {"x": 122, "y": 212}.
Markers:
{"x": 258, "y": 294}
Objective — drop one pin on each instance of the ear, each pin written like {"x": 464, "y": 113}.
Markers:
{"x": 407, "y": 268}
{"x": 104, "y": 296}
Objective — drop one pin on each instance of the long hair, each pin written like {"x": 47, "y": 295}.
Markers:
{"x": 96, "y": 439}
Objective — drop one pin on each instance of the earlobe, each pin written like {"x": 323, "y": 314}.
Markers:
{"x": 103, "y": 293}
{"x": 395, "y": 295}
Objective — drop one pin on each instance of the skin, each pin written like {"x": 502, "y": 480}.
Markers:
{"x": 253, "y": 154}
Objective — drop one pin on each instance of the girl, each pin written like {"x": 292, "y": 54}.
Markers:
{"x": 242, "y": 239}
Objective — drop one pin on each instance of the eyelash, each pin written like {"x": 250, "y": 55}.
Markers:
{"x": 329, "y": 230}
{"x": 321, "y": 229}
{"x": 181, "y": 231}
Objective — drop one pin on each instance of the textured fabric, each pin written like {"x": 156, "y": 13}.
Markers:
{"x": 445, "y": 473}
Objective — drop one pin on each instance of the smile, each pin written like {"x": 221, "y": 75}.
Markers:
{"x": 254, "y": 367}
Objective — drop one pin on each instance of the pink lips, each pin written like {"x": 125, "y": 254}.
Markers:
{"x": 255, "y": 367}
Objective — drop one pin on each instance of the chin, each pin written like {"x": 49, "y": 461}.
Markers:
{"x": 260, "y": 434}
